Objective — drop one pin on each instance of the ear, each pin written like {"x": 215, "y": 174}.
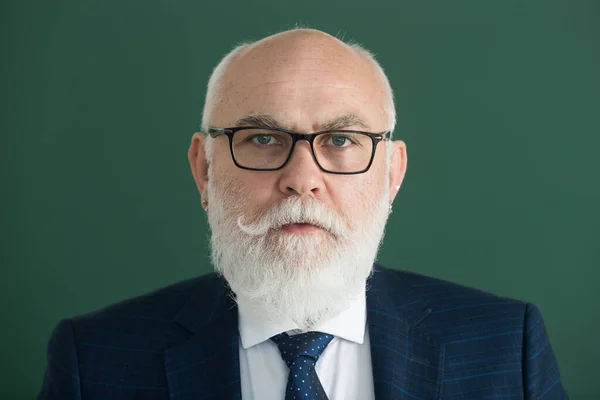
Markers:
{"x": 199, "y": 163}
{"x": 398, "y": 162}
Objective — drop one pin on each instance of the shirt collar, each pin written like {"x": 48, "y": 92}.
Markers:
{"x": 255, "y": 327}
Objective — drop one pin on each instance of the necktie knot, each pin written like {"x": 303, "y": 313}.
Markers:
{"x": 309, "y": 344}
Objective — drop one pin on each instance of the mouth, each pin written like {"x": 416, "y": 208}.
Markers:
{"x": 300, "y": 228}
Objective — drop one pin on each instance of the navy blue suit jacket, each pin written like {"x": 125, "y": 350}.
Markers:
{"x": 430, "y": 339}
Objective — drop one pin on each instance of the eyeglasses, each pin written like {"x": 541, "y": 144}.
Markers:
{"x": 269, "y": 149}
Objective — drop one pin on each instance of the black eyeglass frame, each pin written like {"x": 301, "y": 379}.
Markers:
{"x": 309, "y": 137}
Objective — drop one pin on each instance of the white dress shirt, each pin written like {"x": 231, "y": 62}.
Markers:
{"x": 344, "y": 368}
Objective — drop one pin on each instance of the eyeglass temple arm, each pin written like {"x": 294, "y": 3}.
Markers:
{"x": 214, "y": 132}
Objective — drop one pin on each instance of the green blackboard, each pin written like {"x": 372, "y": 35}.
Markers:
{"x": 498, "y": 102}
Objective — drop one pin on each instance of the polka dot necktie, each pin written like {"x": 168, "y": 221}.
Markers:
{"x": 300, "y": 353}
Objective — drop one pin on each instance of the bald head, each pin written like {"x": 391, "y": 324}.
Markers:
{"x": 293, "y": 50}
{"x": 295, "y": 65}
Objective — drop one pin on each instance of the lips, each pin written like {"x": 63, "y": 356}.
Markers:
{"x": 300, "y": 227}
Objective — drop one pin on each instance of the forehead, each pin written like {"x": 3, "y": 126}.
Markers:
{"x": 303, "y": 81}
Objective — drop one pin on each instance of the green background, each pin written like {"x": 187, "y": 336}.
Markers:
{"x": 498, "y": 102}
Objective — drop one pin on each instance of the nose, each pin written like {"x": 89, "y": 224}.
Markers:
{"x": 301, "y": 175}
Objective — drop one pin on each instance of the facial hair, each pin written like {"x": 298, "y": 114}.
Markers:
{"x": 300, "y": 277}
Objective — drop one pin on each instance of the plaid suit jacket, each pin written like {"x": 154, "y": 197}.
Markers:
{"x": 430, "y": 339}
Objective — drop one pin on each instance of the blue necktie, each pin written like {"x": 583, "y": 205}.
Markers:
{"x": 300, "y": 353}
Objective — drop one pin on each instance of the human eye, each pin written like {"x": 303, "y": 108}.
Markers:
{"x": 259, "y": 139}
{"x": 263, "y": 139}
{"x": 340, "y": 140}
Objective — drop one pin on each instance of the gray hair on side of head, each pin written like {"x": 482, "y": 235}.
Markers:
{"x": 215, "y": 83}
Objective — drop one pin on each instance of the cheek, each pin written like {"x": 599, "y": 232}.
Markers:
{"x": 251, "y": 191}
{"x": 260, "y": 188}
{"x": 354, "y": 195}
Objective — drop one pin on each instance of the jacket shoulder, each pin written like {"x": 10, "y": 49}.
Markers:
{"x": 453, "y": 309}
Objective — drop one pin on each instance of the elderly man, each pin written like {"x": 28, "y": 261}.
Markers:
{"x": 297, "y": 173}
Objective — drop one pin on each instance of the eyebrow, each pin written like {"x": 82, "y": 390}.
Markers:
{"x": 259, "y": 120}
{"x": 341, "y": 122}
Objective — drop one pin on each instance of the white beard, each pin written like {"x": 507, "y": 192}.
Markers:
{"x": 304, "y": 278}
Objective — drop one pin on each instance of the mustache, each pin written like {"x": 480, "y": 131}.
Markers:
{"x": 294, "y": 210}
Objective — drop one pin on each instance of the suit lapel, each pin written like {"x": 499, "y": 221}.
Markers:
{"x": 406, "y": 363}
{"x": 206, "y": 366}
